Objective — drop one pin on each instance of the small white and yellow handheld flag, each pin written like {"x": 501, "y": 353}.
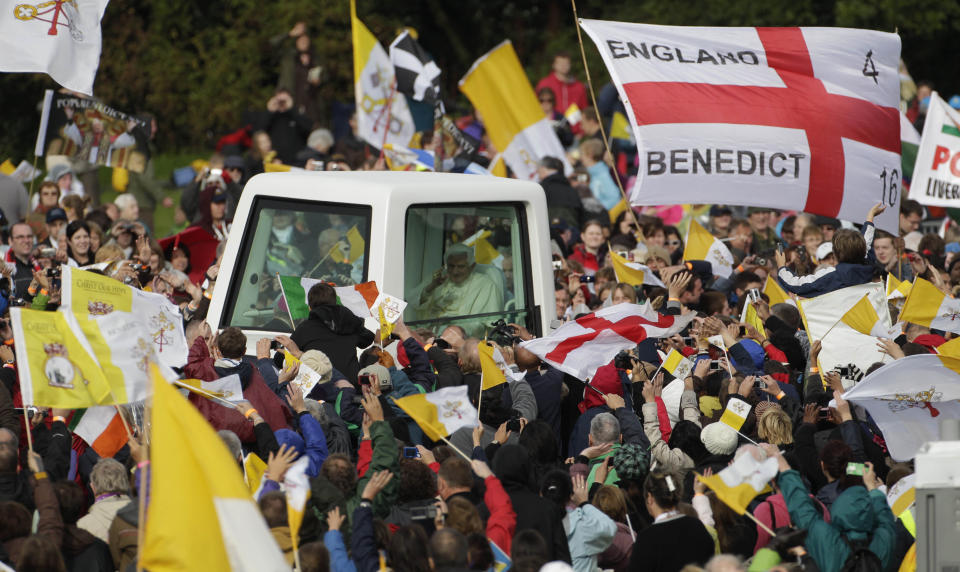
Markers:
{"x": 633, "y": 273}
{"x": 896, "y": 288}
{"x": 56, "y": 367}
{"x": 201, "y": 514}
{"x": 735, "y": 414}
{"x": 927, "y": 306}
{"x": 490, "y": 373}
{"x": 441, "y": 412}
{"x": 498, "y": 88}
{"x": 373, "y": 80}
{"x": 742, "y": 481}
{"x": 863, "y": 318}
{"x": 701, "y": 245}
{"x": 678, "y": 366}
{"x": 296, "y": 487}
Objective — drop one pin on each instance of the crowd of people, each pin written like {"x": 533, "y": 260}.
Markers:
{"x": 564, "y": 473}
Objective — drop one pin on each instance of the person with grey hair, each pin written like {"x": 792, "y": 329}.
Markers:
{"x": 111, "y": 487}
{"x": 458, "y": 289}
{"x": 232, "y": 442}
{"x": 604, "y": 429}
{"x": 316, "y": 154}
{"x": 724, "y": 563}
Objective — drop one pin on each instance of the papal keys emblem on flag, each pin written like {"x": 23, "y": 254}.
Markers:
{"x": 790, "y": 118}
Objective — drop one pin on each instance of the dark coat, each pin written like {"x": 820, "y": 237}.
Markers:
{"x": 563, "y": 201}
{"x": 337, "y": 332}
{"x": 512, "y": 467}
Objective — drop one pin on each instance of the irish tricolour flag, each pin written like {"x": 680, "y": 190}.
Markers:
{"x": 102, "y": 429}
{"x": 358, "y": 298}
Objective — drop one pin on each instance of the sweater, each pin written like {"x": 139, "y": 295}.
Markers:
{"x": 671, "y": 544}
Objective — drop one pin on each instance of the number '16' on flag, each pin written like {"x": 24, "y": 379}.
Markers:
{"x": 789, "y": 118}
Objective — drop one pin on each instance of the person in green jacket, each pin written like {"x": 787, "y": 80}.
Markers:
{"x": 860, "y": 512}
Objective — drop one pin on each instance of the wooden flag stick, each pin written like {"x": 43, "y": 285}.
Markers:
{"x": 29, "y": 428}
{"x": 459, "y": 452}
{"x": 831, "y": 329}
{"x": 124, "y": 421}
{"x": 760, "y": 524}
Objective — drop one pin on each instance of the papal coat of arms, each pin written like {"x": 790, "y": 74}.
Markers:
{"x": 98, "y": 308}
{"x": 58, "y": 368}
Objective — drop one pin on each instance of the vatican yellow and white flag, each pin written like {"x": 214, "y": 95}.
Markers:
{"x": 59, "y": 38}
{"x": 440, "y": 412}
{"x": 908, "y": 397}
{"x": 735, "y": 414}
{"x": 896, "y": 288}
{"x": 742, "y": 480}
{"x": 499, "y": 89}
{"x": 928, "y": 306}
{"x": 382, "y": 112}
{"x": 701, "y": 245}
{"x": 152, "y": 320}
{"x": 56, "y": 368}
{"x": 201, "y": 514}
{"x": 633, "y": 273}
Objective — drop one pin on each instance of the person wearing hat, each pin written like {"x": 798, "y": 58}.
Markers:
{"x": 563, "y": 201}
{"x": 825, "y": 254}
{"x": 56, "y": 222}
{"x": 828, "y": 226}
{"x": 720, "y": 218}
{"x": 764, "y": 238}
{"x": 64, "y": 177}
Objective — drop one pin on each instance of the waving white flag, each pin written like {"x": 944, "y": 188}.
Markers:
{"x": 58, "y": 38}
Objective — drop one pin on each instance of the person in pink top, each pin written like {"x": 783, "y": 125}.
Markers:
{"x": 566, "y": 88}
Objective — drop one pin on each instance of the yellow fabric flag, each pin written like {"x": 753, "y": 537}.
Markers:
{"x": 55, "y": 366}
{"x": 927, "y": 306}
{"x": 357, "y": 244}
{"x": 201, "y": 513}
{"x": 678, "y": 366}
{"x": 7, "y": 167}
{"x": 440, "y": 412}
{"x": 897, "y": 288}
{"x": 491, "y": 374}
{"x": 735, "y": 415}
{"x": 742, "y": 481}
{"x": 950, "y": 348}
{"x": 862, "y": 317}
{"x": 750, "y": 316}
{"x": 620, "y": 127}
{"x": 618, "y": 208}
{"x": 499, "y": 89}
{"x": 774, "y": 292}
{"x": 624, "y": 273}
{"x": 253, "y": 469}
{"x": 701, "y": 245}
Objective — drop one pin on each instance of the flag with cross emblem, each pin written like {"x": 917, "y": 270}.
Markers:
{"x": 581, "y": 346}
{"x": 790, "y": 118}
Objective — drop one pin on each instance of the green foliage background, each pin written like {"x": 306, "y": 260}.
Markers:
{"x": 198, "y": 65}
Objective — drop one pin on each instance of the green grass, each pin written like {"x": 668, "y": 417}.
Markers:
{"x": 164, "y": 164}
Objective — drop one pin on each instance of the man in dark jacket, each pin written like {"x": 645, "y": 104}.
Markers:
{"x": 332, "y": 329}
{"x": 563, "y": 201}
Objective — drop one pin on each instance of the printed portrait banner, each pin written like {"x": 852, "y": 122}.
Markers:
{"x": 788, "y": 118}
{"x": 85, "y": 130}
{"x": 936, "y": 174}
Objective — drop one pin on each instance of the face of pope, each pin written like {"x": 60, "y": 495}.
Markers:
{"x": 458, "y": 269}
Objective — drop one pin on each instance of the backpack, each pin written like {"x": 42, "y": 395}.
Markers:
{"x": 861, "y": 558}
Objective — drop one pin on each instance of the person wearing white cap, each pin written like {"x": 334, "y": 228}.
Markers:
{"x": 825, "y": 255}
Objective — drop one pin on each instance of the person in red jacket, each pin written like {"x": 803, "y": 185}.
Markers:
{"x": 227, "y": 359}
{"x": 565, "y": 87}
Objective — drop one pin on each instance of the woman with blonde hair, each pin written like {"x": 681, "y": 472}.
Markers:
{"x": 774, "y": 427}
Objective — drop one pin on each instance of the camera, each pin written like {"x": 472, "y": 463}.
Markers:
{"x": 138, "y": 267}
{"x": 53, "y": 272}
{"x": 275, "y": 345}
{"x": 760, "y": 261}
{"x": 19, "y": 302}
{"x": 845, "y": 372}
{"x": 367, "y": 379}
{"x": 623, "y": 360}
{"x": 503, "y": 334}
{"x": 514, "y": 423}
{"x": 759, "y": 385}
{"x": 587, "y": 279}
{"x": 48, "y": 252}
{"x": 427, "y": 512}
{"x": 441, "y": 343}
{"x": 411, "y": 453}
{"x": 714, "y": 365}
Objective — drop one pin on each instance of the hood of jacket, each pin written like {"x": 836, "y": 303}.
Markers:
{"x": 337, "y": 319}
{"x": 851, "y": 512}
{"x": 512, "y": 467}
{"x": 243, "y": 370}
{"x": 292, "y": 439}
{"x": 607, "y": 380}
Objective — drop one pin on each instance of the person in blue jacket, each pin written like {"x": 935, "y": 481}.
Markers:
{"x": 313, "y": 443}
{"x": 855, "y": 263}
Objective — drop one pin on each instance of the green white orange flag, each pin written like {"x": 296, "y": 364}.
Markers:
{"x": 359, "y": 298}
{"x": 928, "y": 306}
{"x": 701, "y": 245}
{"x": 102, "y": 429}
{"x": 742, "y": 481}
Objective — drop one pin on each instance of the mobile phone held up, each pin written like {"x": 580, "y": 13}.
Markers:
{"x": 411, "y": 453}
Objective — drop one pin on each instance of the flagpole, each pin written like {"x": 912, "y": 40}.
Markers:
{"x": 285, "y": 301}
{"x": 29, "y": 430}
{"x": 831, "y": 328}
{"x": 603, "y": 133}
{"x": 438, "y": 150}
{"x": 206, "y": 394}
{"x": 386, "y": 129}
{"x": 144, "y": 489}
{"x": 458, "y": 451}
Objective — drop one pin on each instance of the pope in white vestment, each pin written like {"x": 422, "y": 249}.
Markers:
{"x": 459, "y": 289}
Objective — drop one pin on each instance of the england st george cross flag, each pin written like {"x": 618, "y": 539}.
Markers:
{"x": 789, "y": 118}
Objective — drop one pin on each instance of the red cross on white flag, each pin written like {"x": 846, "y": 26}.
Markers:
{"x": 580, "y": 347}
{"x": 789, "y": 118}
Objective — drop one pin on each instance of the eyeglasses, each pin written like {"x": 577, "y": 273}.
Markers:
{"x": 673, "y": 243}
